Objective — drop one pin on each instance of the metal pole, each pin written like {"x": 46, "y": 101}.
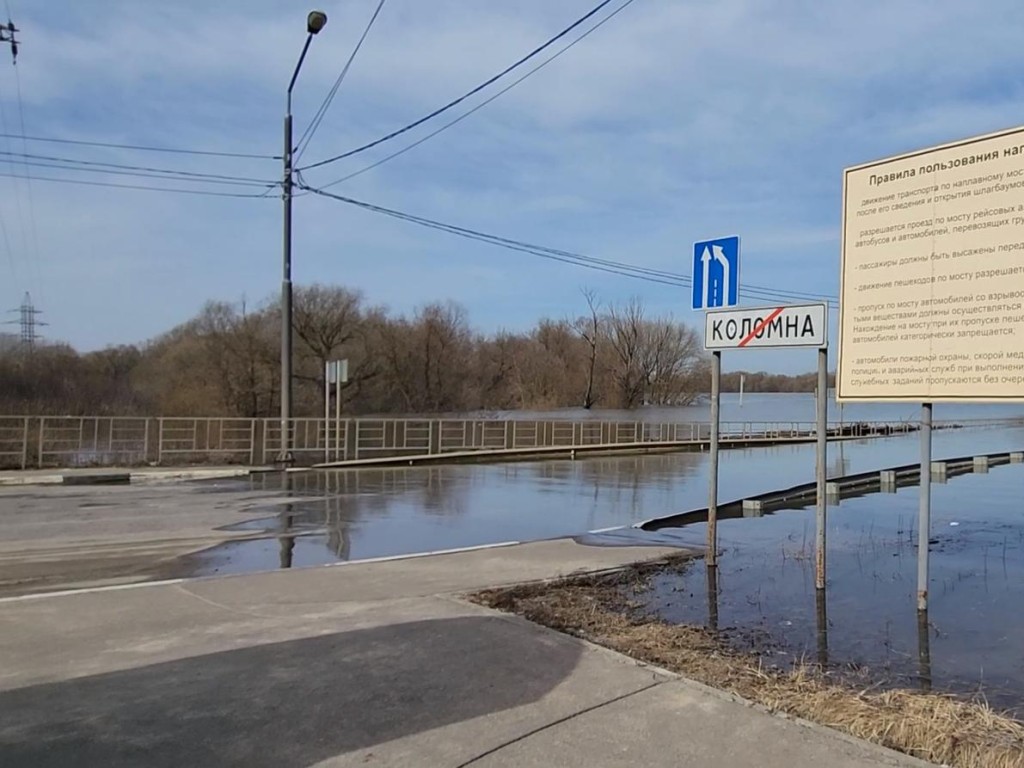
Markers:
{"x": 712, "y": 585}
{"x": 327, "y": 411}
{"x": 821, "y": 616}
{"x": 337, "y": 418}
{"x": 924, "y": 654}
{"x": 716, "y": 382}
{"x": 285, "y": 456}
{"x": 925, "y": 511}
{"x": 821, "y": 468}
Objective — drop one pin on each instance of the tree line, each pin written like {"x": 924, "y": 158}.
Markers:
{"x": 226, "y": 362}
{"x": 760, "y": 381}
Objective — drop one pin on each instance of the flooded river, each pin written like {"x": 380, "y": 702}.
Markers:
{"x": 764, "y": 599}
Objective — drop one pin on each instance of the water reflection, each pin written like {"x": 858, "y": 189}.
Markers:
{"x": 392, "y": 511}
{"x": 866, "y": 622}
{"x": 287, "y": 538}
{"x": 924, "y": 651}
{"x": 821, "y": 624}
{"x": 712, "y": 580}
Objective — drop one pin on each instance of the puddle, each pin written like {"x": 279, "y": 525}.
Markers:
{"x": 763, "y": 597}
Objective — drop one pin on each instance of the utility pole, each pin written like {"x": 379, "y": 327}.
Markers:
{"x": 314, "y": 23}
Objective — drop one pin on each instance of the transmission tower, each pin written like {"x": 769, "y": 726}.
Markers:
{"x": 7, "y": 34}
{"x": 28, "y": 322}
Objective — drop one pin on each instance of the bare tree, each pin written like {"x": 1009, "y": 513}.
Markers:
{"x": 655, "y": 360}
{"x": 626, "y": 338}
{"x": 589, "y": 329}
{"x": 331, "y": 323}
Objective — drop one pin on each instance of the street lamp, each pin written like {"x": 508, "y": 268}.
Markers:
{"x": 314, "y": 23}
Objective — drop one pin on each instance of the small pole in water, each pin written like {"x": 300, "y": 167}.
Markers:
{"x": 716, "y": 396}
{"x": 821, "y": 467}
{"x": 742, "y": 380}
{"x": 925, "y": 511}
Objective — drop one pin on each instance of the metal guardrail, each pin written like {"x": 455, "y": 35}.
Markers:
{"x": 51, "y": 441}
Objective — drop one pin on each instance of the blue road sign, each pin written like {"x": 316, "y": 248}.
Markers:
{"x": 716, "y": 273}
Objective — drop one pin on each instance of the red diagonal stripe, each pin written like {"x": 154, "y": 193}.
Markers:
{"x": 761, "y": 326}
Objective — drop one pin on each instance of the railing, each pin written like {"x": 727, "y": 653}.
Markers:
{"x": 68, "y": 441}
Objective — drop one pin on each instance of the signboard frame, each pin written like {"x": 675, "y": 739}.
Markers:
{"x": 760, "y": 335}
{"x": 979, "y": 154}
{"x": 702, "y": 305}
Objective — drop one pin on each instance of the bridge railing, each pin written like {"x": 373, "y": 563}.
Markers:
{"x": 68, "y": 441}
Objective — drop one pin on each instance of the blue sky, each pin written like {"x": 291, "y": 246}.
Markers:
{"x": 674, "y": 122}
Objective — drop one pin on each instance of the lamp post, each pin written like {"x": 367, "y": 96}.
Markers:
{"x": 314, "y": 23}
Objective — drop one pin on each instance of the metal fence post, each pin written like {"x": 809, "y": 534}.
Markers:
{"x": 24, "y": 445}
{"x": 252, "y": 442}
{"x": 42, "y": 431}
{"x": 160, "y": 440}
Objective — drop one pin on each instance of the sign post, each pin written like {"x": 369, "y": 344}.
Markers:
{"x": 924, "y": 517}
{"x": 336, "y": 373}
{"x": 821, "y": 470}
{"x": 716, "y": 399}
{"x": 799, "y": 325}
{"x": 931, "y": 285}
{"x": 716, "y": 283}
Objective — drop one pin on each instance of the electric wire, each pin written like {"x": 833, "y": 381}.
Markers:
{"x": 568, "y": 257}
{"x": 311, "y": 129}
{"x": 455, "y": 102}
{"x": 482, "y": 104}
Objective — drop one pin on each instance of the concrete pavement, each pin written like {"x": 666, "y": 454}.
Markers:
{"x": 115, "y": 475}
{"x": 377, "y": 664}
{"x": 59, "y": 537}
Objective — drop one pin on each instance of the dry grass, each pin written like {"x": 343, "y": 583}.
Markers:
{"x": 931, "y": 726}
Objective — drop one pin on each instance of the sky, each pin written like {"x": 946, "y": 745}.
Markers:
{"x": 671, "y": 123}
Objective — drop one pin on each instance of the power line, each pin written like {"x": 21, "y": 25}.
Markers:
{"x": 484, "y": 103}
{"x": 101, "y": 167}
{"x": 15, "y": 186}
{"x": 602, "y": 265}
{"x": 139, "y": 147}
{"x": 582, "y": 20}
{"x": 147, "y": 188}
{"x": 139, "y": 175}
{"x": 311, "y": 129}
{"x": 7, "y": 247}
{"x": 28, "y": 176}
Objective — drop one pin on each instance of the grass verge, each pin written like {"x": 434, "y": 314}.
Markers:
{"x": 931, "y": 726}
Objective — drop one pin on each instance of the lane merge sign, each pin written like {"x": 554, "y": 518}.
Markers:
{"x": 716, "y": 273}
{"x": 797, "y": 325}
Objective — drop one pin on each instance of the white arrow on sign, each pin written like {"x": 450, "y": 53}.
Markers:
{"x": 724, "y": 285}
{"x": 706, "y": 261}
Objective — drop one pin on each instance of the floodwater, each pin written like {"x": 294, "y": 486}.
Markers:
{"x": 774, "y": 407}
{"x": 867, "y": 626}
{"x": 369, "y": 513}
{"x": 764, "y": 598}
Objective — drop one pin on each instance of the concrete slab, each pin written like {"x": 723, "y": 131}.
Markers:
{"x": 678, "y": 723}
{"x": 362, "y": 665}
{"x": 166, "y": 622}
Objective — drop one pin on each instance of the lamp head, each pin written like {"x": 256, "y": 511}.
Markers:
{"x": 315, "y": 21}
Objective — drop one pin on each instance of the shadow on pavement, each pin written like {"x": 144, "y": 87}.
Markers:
{"x": 291, "y": 703}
